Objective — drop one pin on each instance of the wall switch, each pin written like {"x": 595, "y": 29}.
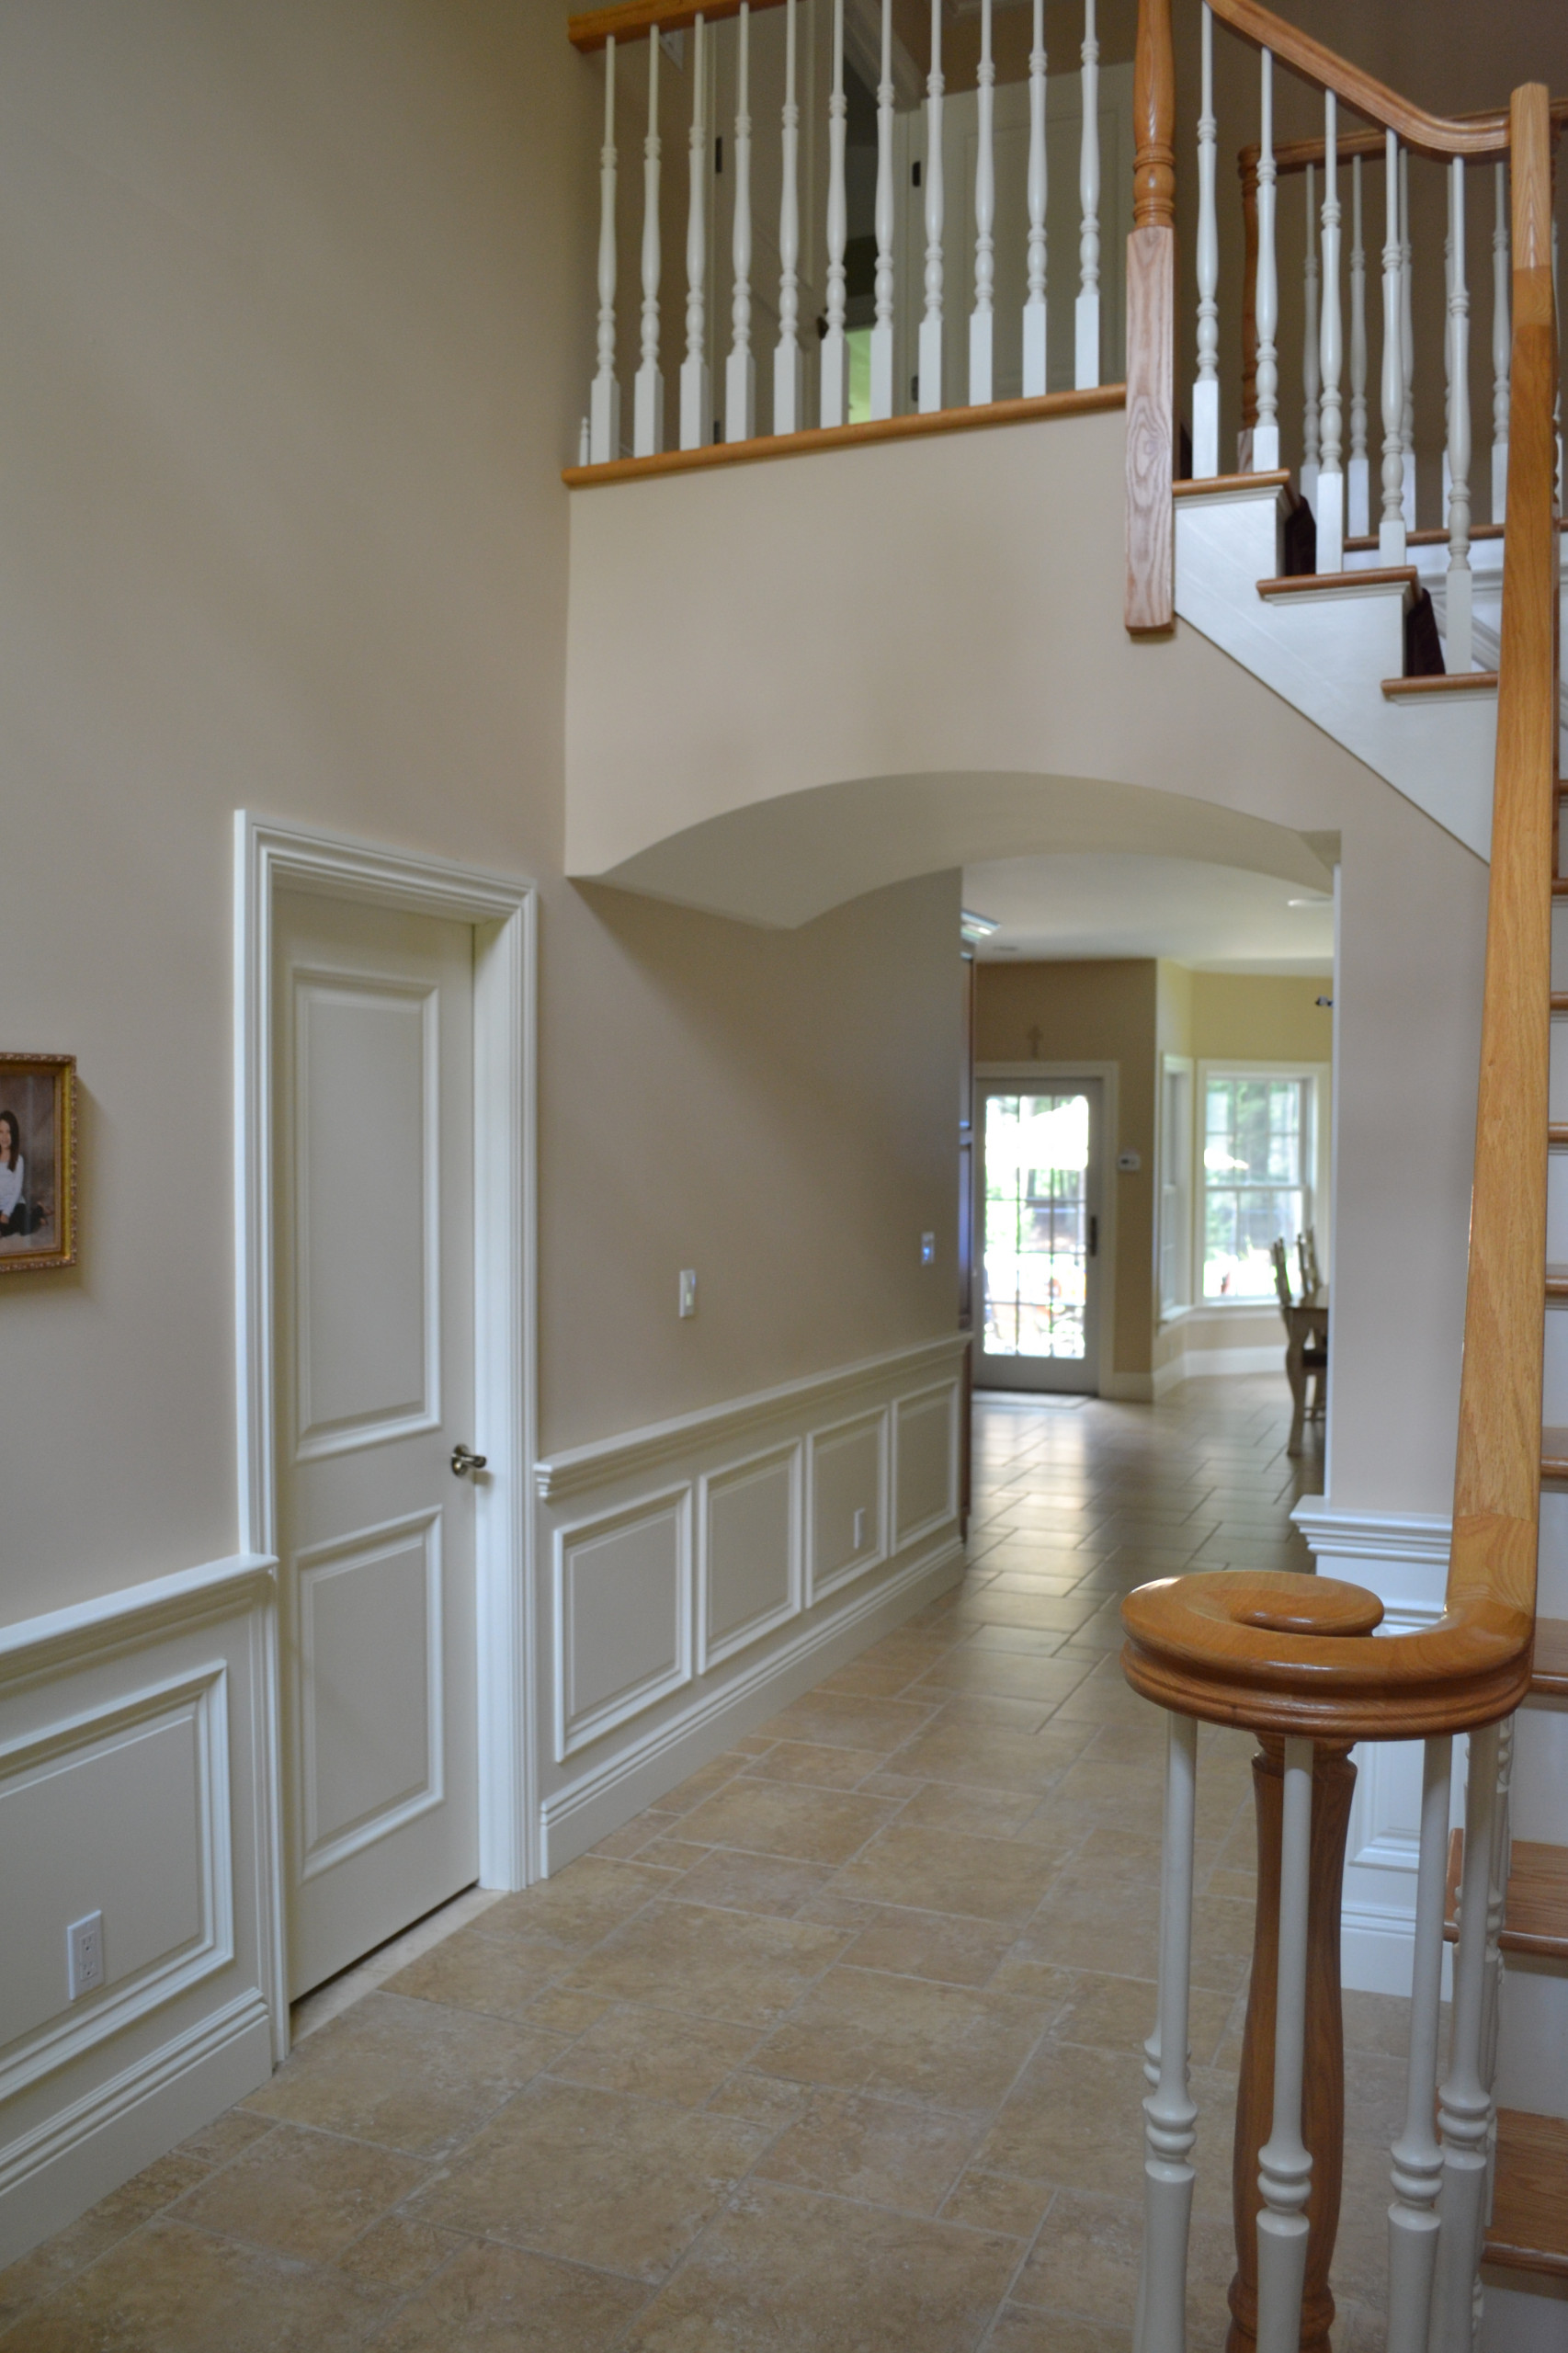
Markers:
{"x": 927, "y": 1249}
{"x": 1129, "y": 1163}
{"x": 84, "y": 1955}
{"x": 689, "y": 1290}
{"x": 861, "y": 1530}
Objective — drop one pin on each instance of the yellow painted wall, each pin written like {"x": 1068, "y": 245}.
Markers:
{"x": 1269, "y": 1016}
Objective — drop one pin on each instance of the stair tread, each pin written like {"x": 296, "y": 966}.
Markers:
{"x": 1549, "y": 1675}
{"x": 1528, "y": 2230}
{"x": 1300, "y": 583}
{"x": 1535, "y": 1917}
{"x": 1458, "y": 682}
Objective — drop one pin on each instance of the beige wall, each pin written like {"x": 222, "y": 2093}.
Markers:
{"x": 298, "y": 300}
{"x": 1101, "y": 1011}
{"x": 1261, "y": 1016}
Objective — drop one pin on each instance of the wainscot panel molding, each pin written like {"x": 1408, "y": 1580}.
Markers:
{"x": 1199, "y": 1364}
{"x": 709, "y": 1568}
{"x": 138, "y": 1779}
{"x": 1402, "y": 1557}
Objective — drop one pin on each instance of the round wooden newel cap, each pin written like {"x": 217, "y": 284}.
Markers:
{"x": 1285, "y": 1603}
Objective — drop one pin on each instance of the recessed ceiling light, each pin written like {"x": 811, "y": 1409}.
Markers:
{"x": 1324, "y": 899}
{"x": 975, "y": 927}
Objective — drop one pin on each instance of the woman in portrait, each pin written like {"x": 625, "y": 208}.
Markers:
{"x": 15, "y": 1217}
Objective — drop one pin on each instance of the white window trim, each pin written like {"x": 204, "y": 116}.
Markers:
{"x": 1320, "y": 1215}
{"x": 1171, "y": 1311}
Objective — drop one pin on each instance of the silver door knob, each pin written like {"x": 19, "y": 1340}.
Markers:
{"x": 464, "y": 1459}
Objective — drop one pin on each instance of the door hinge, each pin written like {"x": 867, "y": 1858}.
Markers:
{"x": 1094, "y": 1237}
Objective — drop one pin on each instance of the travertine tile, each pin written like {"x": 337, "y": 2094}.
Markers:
{"x": 594, "y": 2177}
{"x": 498, "y": 2299}
{"x": 930, "y": 1944}
{"x": 657, "y": 2054}
{"x": 994, "y": 2201}
{"x": 1085, "y": 2262}
{"x": 816, "y": 1765}
{"x": 1057, "y": 2122}
{"x": 946, "y": 1805}
{"x": 865, "y": 2030}
{"x": 841, "y": 1721}
{"x": 168, "y": 2289}
{"x": 396, "y": 2255}
{"x": 743, "y": 1882}
{"x": 991, "y": 1757}
{"x": 989, "y": 1879}
{"x": 771, "y": 1818}
{"x": 801, "y": 2273}
{"x": 888, "y": 2153}
{"x": 580, "y": 1905}
{"x": 470, "y": 1971}
{"x": 305, "y": 2194}
{"x": 1004, "y": 1675}
{"x": 413, "y": 2075}
{"x": 1020, "y": 2331}
{"x": 734, "y": 1965}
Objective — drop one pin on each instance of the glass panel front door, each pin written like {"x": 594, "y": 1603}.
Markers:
{"x": 1038, "y": 1255}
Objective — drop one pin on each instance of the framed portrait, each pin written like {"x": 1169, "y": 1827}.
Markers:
{"x": 37, "y": 1162}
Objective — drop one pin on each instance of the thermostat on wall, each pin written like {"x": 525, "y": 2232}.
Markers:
{"x": 1129, "y": 1163}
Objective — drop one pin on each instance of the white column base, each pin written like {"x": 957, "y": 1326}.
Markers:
{"x": 931, "y": 365}
{"x": 1390, "y": 542}
{"x": 603, "y": 421}
{"x": 740, "y": 397}
{"x": 1205, "y": 429}
{"x": 1329, "y": 508}
{"x": 648, "y": 414}
{"x": 1409, "y": 500}
{"x": 981, "y": 331}
{"x": 1499, "y": 480}
{"x": 1310, "y": 485}
{"x": 882, "y": 372}
{"x": 834, "y": 397}
{"x": 1087, "y": 340}
{"x": 788, "y": 372}
{"x": 1459, "y": 651}
{"x": 696, "y": 404}
{"x": 1034, "y": 350}
{"x": 1265, "y": 448}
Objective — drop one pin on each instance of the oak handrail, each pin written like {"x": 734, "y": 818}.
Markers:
{"x": 1295, "y": 154}
{"x": 1429, "y": 134}
{"x": 632, "y": 20}
{"x": 1264, "y": 1652}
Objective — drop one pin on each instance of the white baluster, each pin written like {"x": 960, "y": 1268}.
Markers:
{"x": 1086, "y": 318}
{"x": 1465, "y": 2102}
{"x": 1406, "y": 346}
{"x": 787, "y": 364}
{"x": 648, "y": 391}
{"x": 696, "y": 388}
{"x": 1266, "y": 304}
{"x": 881, "y": 331}
{"x": 1391, "y": 526}
{"x": 740, "y": 368}
{"x": 1496, "y": 1903}
{"x": 1310, "y": 356}
{"x": 1358, "y": 510}
{"x": 930, "y": 359}
{"x": 1330, "y": 475}
{"x": 1460, "y": 586}
{"x": 1034, "y": 305}
{"x": 1417, "y": 2154}
{"x": 603, "y": 400}
{"x": 1170, "y": 2114}
{"x": 834, "y": 353}
{"x": 1501, "y": 337}
{"x": 585, "y": 444}
{"x": 1285, "y": 2169}
{"x": 982, "y": 318}
{"x": 1205, "y": 390}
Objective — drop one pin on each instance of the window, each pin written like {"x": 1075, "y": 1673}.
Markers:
{"x": 1176, "y": 1186}
{"x": 1259, "y": 1150}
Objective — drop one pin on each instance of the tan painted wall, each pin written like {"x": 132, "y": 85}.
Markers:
{"x": 1269, "y": 1016}
{"x": 1093, "y": 1012}
{"x": 298, "y": 301}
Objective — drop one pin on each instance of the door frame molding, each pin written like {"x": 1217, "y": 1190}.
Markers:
{"x": 502, "y": 910}
{"x": 1108, "y": 1381}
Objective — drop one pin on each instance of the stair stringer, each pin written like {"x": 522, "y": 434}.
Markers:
{"x": 1327, "y": 655}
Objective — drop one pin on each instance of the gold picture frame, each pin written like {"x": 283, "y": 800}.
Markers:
{"x": 37, "y": 1163}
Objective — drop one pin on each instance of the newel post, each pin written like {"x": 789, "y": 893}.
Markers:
{"x": 1151, "y": 330}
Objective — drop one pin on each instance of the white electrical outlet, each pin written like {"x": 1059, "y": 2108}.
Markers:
{"x": 689, "y": 1290}
{"x": 861, "y": 1530}
{"x": 84, "y": 1955}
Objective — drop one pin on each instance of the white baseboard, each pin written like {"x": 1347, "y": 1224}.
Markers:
{"x": 1377, "y": 1950}
{"x": 576, "y": 1817}
{"x": 1201, "y": 1364}
{"x": 77, "y": 2156}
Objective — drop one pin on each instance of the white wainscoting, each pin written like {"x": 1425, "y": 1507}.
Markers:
{"x": 708, "y": 1569}
{"x": 1403, "y": 1559}
{"x": 136, "y": 1780}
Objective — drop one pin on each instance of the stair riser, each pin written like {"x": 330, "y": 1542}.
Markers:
{"x": 1516, "y": 2323}
{"x": 1532, "y": 2042}
{"x": 1539, "y": 1808}
{"x": 1552, "y": 1569}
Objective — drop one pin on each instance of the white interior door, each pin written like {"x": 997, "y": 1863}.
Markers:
{"x": 1037, "y": 1256}
{"x": 373, "y": 1200}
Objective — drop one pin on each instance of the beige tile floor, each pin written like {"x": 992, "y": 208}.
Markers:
{"x": 834, "y": 2051}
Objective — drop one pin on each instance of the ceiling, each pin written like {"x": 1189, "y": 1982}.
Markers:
{"x": 1089, "y": 903}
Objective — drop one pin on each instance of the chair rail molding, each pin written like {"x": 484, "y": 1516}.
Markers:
{"x": 504, "y": 912}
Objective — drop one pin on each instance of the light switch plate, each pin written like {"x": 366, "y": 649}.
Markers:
{"x": 689, "y": 1290}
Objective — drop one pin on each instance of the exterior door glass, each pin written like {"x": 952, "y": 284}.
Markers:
{"x": 1040, "y": 1235}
